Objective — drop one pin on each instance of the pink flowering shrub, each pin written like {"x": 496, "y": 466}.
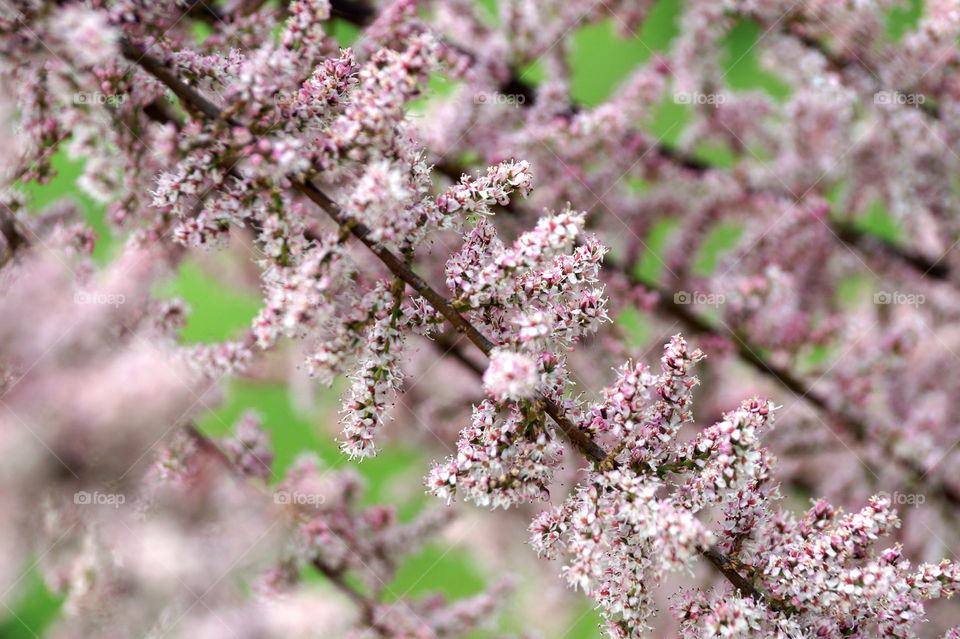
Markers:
{"x": 482, "y": 272}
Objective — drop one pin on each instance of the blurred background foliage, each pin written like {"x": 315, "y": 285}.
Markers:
{"x": 601, "y": 60}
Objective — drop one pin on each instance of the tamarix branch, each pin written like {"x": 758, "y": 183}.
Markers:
{"x": 464, "y": 233}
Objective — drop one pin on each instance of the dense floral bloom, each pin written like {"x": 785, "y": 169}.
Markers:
{"x": 481, "y": 264}
{"x": 511, "y": 376}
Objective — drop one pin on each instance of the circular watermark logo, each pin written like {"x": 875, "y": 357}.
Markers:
{"x": 898, "y": 98}
{"x": 695, "y": 98}
{"x": 903, "y": 499}
{"x": 286, "y": 498}
{"x": 898, "y": 298}
{"x": 98, "y": 298}
{"x": 698, "y": 298}
{"x": 96, "y": 498}
{"x": 507, "y": 99}
{"x": 99, "y": 98}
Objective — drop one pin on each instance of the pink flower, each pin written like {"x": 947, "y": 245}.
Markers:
{"x": 87, "y": 35}
{"x": 511, "y": 375}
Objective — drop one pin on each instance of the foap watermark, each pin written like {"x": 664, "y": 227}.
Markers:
{"x": 903, "y": 499}
{"x": 896, "y": 97}
{"x": 99, "y": 97}
{"x": 695, "y": 98}
{"x": 98, "y": 298}
{"x": 698, "y": 298}
{"x": 495, "y": 97}
{"x": 898, "y": 298}
{"x": 286, "y": 498}
{"x": 96, "y": 498}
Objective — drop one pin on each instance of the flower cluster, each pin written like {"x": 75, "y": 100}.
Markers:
{"x": 543, "y": 282}
{"x": 825, "y": 578}
{"x": 500, "y": 461}
{"x": 476, "y": 196}
{"x": 622, "y": 528}
{"x": 249, "y": 447}
{"x": 619, "y": 531}
{"x": 798, "y": 228}
{"x": 511, "y": 376}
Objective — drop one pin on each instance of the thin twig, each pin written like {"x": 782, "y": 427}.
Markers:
{"x": 865, "y": 243}
{"x": 14, "y": 238}
{"x": 580, "y": 440}
{"x": 366, "y": 604}
{"x": 787, "y": 379}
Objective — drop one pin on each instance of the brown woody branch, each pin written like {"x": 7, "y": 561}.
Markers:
{"x": 583, "y": 442}
{"x": 784, "y": 377}
{"x": 367, "y": 605}
{"x": 787, "y": 379}
{"x": 14, "y": 238}
{"x": 869, "y": 245}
